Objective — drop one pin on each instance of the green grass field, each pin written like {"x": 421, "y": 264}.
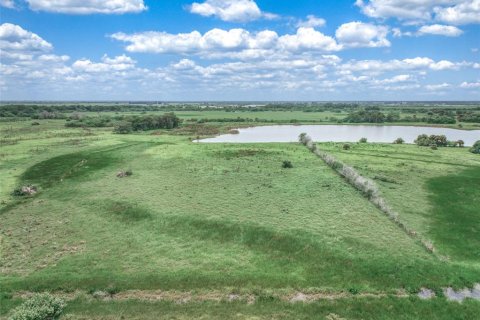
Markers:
{"x": 204, "y": 218}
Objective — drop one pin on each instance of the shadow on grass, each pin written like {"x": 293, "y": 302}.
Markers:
{"x": 456, "y": 218}
{"x": 78, "y": 165}
{"x": 128, "y": 212}
{"x": 71, "y": 166}
{"x": 284, "y": 259}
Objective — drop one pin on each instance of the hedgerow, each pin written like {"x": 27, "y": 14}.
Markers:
{"x": 367, "y": 186}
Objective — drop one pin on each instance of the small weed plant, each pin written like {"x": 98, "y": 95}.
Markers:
{"x": 39, "y": 307}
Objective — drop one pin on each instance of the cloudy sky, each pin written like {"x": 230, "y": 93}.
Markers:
{"x": 240, "y": 50}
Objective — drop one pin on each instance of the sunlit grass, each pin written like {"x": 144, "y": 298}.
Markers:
{"x": 204, "y": 216}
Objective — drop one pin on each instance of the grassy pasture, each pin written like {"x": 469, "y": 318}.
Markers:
{"x": 436, "y": 192}
{"x": 203, "y": 217}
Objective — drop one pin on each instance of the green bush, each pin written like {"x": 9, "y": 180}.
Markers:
{"x": 439, "y": 141}
{"x": 451, "y": 144}
{"x": 90, "y": 122}
{"x": 422, "y": 140}
{"x": 354, "y": 290}
{"x": 145, "y": 123}
{"x": 433, "y": 140}
{"x": 39, "y": 307}
{"x": 363, "y": 140}
{"x": 123, "y": 128}
{"x": 399, "y": 141}
{"x": 476, "y": 148}
{"x": 287, "y": 164}
{"x": 346, "y": 146}
{"x": 369, "y": 115}
{"x": 441, "y": 119}
{"x": 27, "y": 190}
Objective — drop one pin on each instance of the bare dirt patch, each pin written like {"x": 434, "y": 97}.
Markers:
{"x": 462, "y": 294}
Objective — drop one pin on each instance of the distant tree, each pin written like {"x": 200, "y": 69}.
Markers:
{"x": 369, "y": 115}
{"x": 144, "y": 123}
{"x": 123, "y": 127}
{"x": 363, "y": 140}
{"x": 399, "y": 141}
{"x": 433, "y": 140}
{"x": 393, "y": 116}
{"x": 475, "y": 148}
{"x": 423, "y": 140}
{"x": 439, "y": 140}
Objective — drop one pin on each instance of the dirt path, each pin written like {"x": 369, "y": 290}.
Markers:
{"x": 285, "y": 295}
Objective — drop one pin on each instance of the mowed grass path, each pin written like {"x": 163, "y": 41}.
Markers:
{"x": 266, "y": 308}
{"x": 205, "y": 216}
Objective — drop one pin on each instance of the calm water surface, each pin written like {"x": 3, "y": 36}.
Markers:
{"x": 341, "y": 133}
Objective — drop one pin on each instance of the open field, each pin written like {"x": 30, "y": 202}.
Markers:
{"x": 228, "y": 219}
{"x": 239, "y": 159}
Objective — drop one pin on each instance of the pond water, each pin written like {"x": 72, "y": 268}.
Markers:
{"x": 341, "y": 133}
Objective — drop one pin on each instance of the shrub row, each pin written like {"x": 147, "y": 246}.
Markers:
{"x": 367, "y": 186}
{"x": 374, "y": 115}
{"x": 137, "y": 123}
{"x": 90, "y": 122}
{"x": 424, "y": 140}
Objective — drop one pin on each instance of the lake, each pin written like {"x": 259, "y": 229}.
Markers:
{"x": 341, "y": 133}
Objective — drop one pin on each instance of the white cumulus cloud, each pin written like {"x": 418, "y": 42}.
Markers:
{"x": 435, "y": 87}
{"x": 119, "y": 63}
{"x": 470, "y": 85}
{"x": 15, "y": 38}
{"x": 230, "y": 10}
{"x": 88, "y": 6}
{"x": 440, "y": 30}
{"x": 233, "y": 43}
{"x": 456, "y": 12}
{"x": 465, "y": 12}
{"x": 308, "y": 39}
{"x": 359, "y": 34}
{"x": 7, "y": 4}
{"x": 311, "y": 22}
{"x": 417, "y": 63}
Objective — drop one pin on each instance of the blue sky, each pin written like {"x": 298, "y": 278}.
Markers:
{"x": 240, "y": 50}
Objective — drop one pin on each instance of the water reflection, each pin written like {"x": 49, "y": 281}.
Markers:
{"x": 341, "y": 133}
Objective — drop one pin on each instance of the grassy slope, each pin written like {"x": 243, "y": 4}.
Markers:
{"x": 182, "y": 229}
{"x": 231, "y": 218}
